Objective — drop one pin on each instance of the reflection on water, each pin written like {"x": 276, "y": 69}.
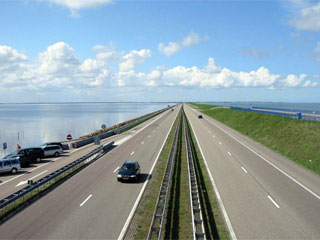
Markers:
{"x": 33, "y": 124}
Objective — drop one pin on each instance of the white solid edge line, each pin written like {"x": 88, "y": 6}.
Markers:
{"x": 85, "y": 200}
{"x": 283, "y": 172}
{"x": 273, "y": 201}
{"x": 244, "y": 170}
{"x": 135, "y": 206}
{"x": 116, "y": 169}
{"x": 224, "y": 211}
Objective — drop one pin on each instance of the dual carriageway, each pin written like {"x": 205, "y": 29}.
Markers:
{"x": 261, "y": 194}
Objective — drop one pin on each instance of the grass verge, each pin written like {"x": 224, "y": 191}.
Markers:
{"x": 298, "y": 140}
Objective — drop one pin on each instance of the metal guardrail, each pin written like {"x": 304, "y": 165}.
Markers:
{"x": 83, "y": 142}
{"x": 295, "y": 115}
{"x": 159, "y": 212}
{"x": 17, "y": 199}
{"x": 196, "y": 211}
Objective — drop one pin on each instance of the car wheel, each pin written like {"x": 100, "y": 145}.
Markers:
{"x": 38, "y": 160}
{"x": 14, "y": 170}
{"x": 56, "y": 154}
{"x": 119, "y": 180}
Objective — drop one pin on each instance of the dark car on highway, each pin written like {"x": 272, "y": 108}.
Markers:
{"x": 130, "y": 170}
{"x": 27, "y": 156}
{"x": 200, "y": 116}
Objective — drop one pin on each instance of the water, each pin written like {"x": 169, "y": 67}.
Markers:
{"x": 296, "y": 107}
{"x": 32, "y": 124}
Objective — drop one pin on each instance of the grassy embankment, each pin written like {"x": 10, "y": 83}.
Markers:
{"x": 298, "y": 140}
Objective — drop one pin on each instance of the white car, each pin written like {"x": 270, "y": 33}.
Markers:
{"x": 9, "y": 165}
{"x": 52, "y": 150}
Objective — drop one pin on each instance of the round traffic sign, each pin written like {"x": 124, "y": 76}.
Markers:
{"x": 69, "y": 137}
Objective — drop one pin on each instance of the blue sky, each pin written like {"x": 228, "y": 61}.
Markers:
{"x": 103, "y": 50}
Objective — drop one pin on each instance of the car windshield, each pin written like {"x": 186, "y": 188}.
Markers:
{"x": 12, "y": 154}
{"x": 128, "y": 167}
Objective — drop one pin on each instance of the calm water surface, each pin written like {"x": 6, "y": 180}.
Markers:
{"x": 33, "y": 124}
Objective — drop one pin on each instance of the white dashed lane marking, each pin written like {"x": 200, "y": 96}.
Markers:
{"x": 273, "y": 201}
{"x": 85, "y": 200}
{"x": 244, "y": 169}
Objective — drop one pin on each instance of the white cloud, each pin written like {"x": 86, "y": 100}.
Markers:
{"x": 10, "y": 58}
{"x": 317, "y": 52}
{"x": 173, "y": 47}
{"x": 293, "y": 81}
{"x": 308, "y": 17}
{"x": 133, "y": 59}
{"x": 58, "y": 69}
{"x": 308, "y": 83}
{"x": 58, "y": 59}
{"x": 75, "y": 5}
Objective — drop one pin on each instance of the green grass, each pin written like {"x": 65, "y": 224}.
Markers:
{"x": 140, "y": 224}
{"x": 178, "y": 216}
{"x": 298, "y": 140}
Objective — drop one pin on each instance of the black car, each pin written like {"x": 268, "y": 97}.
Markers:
{"x": 27, "y": 155}
{"x": 200, "y": 116}
{"x": 130, "y": 170}
{"x": 53, "y": 143}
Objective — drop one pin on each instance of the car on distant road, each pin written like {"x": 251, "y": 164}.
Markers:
{"x": 27, "y": 155}
{"x": 9, "y": 165}
{"x": 200, "y": 116}
{"x": 52, "y": 143}
{"x": 130, "y": 170}
{"x": 52, "y": 150}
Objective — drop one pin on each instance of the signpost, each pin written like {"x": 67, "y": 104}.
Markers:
{"x": 69, "y": 137}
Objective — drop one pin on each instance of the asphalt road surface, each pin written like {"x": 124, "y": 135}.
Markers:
{"x": 265, "y": 195}
{"x": 92, "y": 204}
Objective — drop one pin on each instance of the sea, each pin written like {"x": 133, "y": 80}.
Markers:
{"x": 35, "y": 123}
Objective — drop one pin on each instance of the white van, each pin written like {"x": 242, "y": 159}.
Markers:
{"x": 9, "y": 165}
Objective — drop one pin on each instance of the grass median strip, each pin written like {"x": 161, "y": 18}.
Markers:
{"x": 178, "y": 218}
{"x": 298, "y": 140}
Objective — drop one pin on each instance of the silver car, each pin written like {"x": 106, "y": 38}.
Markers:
{"x": 52, "y": 150}
{"x": 9, "y": 165}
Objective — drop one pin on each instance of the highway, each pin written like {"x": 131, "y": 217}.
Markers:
{"x": 10, "y": 183}
{"x": 92, "y": 204}
{"x": 264, "y": 195}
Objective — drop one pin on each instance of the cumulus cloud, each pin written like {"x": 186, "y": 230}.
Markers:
{"x": 10, "y": 58}
{"x": 317, "y": 52}
{"x": 308, "y": 83}
{"x": 133, "y": 59}
{"x": 173, "y": 47}
{"x": 59, "y": 58}
{"x": 308, "y": 17}
{"x": 59, "y": 68}
{"x": 75, "y": 5}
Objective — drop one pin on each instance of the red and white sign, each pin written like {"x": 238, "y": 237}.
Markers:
{"x": 69, "y": 137}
